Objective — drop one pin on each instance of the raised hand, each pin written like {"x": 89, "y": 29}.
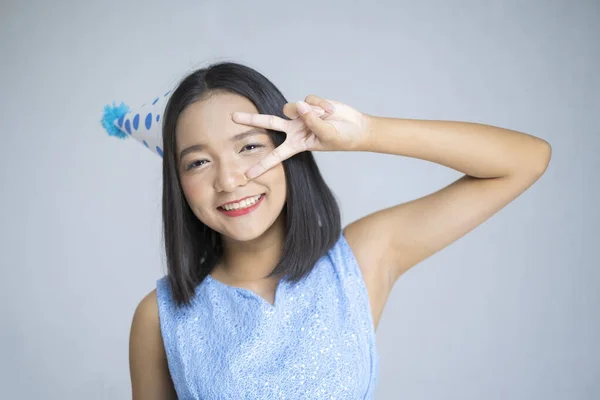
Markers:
{"x": 315, "y": 125}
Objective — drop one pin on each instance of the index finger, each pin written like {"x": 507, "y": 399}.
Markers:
{"x": 260, "y": 120}
{"x": 280, "y": 153}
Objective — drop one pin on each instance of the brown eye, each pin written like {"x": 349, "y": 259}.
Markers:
{"x": 252, "y": 146}
{"x": 195, "y": 164}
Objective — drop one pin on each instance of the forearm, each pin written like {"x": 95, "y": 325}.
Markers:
{"x": 478, "y": 150}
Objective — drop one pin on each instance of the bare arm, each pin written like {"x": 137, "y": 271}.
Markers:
{"x": 499, "y": 164}
{"x": 150, "y": 378}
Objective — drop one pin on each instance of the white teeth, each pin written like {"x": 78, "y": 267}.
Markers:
{"x": 242, "y": 204}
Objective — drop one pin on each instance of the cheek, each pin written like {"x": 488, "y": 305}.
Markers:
{"x": 193, "y": 191}
{"x": 276, "y": 180}
{"x": 186, "y": 187}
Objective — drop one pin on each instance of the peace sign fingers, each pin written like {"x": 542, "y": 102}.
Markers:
{"x": 272, "y": 122}
{"x": 278, "y": 155}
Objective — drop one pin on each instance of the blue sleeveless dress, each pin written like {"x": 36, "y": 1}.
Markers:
{"x": 316, "y": 342}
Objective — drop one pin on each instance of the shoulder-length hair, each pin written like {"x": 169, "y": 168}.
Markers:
{"x": 311, "y": 212}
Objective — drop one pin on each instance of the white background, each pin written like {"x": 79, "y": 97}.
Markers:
{"x": 511, "y": 311}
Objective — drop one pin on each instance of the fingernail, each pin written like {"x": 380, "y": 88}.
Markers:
{"x": 302, "y": 107}
{"x": 330, "y": 109}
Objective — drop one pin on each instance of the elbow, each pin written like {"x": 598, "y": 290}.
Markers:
{"x": 534, "y": 162}
{"x": 542, "y": 158}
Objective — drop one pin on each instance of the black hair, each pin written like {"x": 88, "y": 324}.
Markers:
{"x": 312, "y": 217}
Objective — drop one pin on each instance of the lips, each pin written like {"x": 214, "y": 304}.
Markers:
{"x": 238, "y": 212}
{"x": 237, "y": 201}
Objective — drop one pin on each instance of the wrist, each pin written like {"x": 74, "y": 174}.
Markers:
{"x": 369, "y": 130}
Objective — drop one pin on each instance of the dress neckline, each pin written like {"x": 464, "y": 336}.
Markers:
{"x": 276, "y": 301}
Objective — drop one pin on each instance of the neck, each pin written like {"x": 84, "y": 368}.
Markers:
{"x": 250, "y": 261}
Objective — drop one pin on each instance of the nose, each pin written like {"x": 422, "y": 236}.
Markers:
{"x": 230, "y": 176}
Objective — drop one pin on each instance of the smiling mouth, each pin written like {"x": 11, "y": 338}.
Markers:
{"x": 241, "y": 205}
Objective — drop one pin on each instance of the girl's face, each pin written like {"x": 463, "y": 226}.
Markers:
{"x": 213, "y": 155}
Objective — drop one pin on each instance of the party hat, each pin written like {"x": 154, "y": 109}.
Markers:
{"x": 143, "y": 123}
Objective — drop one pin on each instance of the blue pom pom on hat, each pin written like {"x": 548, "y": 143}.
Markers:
{"x": 143, "y": 124}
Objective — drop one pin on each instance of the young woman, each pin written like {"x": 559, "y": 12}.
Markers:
{"x": 266, "y": 295}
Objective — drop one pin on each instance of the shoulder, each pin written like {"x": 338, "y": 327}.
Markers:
{"x": 368, "y": 250}
{"x": 145, "y": 318}
{"x": 145, "y": 327}
{"x": 147, "y": 309}
{"x": 150, "y": 378}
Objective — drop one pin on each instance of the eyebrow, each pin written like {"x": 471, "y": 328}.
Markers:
{"x": 235, "y": 138}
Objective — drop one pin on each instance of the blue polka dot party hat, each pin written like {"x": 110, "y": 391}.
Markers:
{"x": 143, "y": 124}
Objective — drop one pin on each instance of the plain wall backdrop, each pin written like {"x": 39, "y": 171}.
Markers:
{"x": 510, "y": 311}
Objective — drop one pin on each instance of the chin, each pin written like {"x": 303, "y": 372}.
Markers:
{"x": 248, "y": 233}
{"x": 243, "y": 237}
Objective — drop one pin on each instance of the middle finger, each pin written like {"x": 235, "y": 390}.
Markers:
{"x": 260, "y": 121}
